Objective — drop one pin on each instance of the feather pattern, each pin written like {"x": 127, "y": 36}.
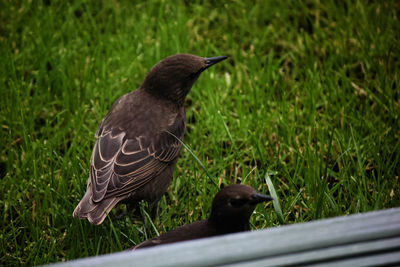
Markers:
{"x": 126, "y": 157}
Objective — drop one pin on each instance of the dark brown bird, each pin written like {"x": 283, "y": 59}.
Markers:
{"x": 230, "y": 213}
{"x": 135, "y": 154}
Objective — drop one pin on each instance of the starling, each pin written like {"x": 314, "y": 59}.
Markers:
{"x": 230, "y": 213}
{"x": 135, "y": 154}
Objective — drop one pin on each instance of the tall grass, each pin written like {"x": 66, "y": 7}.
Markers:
{"x": 310, "y": 92}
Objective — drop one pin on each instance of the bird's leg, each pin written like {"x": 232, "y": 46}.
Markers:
{"x": 153, "y": 208}
{"x": 147, "y": 216}
{"x": 133, "y": 209}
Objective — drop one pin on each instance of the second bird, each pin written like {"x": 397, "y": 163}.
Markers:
{"x": 135, "y": 154}
{"x": 230, "y": 213}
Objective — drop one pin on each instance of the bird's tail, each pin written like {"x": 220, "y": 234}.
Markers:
{"x": 94, "y": 212}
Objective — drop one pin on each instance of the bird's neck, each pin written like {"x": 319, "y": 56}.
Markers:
{"x": 176, "y": 97}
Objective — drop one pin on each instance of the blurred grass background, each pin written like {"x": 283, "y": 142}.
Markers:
{"x": 310, "y": 92}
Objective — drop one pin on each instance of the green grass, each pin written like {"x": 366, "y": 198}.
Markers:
{"x": 310, "y": 92}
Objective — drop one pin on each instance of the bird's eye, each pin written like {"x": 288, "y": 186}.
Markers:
{"x": 237, "y": 202}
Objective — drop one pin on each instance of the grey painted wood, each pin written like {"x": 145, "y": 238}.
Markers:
{"x": 361, "y": 238}
{"x": 391, "y": 258}
{"x": 383, "y": 247}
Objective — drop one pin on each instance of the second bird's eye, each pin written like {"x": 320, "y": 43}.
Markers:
{"x": 237, "y": 202}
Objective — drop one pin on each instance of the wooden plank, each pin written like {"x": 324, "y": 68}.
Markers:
{"x": 380, "y": 247}
{"x": 386, "y": 259}
{"x": 350, "y": 238}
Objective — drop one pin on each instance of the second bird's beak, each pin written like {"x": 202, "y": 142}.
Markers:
{"x": 258, "y": 198}
{"x": 213, "y": 60}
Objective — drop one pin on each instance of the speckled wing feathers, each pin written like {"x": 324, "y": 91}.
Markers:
{"x": 119, "y": 165}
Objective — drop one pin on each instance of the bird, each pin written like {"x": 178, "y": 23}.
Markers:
{"x": 231, "y": 209}
{"x": 136, "y": 146}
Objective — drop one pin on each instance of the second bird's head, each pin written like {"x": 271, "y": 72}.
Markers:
{"x": 173, "y": 77}
{"x": 236, "y": 203}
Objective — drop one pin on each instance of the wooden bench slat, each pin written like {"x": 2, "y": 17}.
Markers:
{"x": 335, "y": 253}
{"x": 390, "y": 258}
{"x": 345, "y": 239}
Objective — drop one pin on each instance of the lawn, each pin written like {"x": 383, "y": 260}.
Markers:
{"x": 309, "y": 95}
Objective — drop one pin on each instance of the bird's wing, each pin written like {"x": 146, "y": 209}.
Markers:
{"x": 120, "y": 165}
{"x": 199, "y": 229}
{"x": 147, "y": 243}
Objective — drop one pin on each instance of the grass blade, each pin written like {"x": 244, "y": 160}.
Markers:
{"x": 114, "y": 231}
{"x": 196, "y": 158}
{"x": 150, "y": 221}
{"x": 275, "y": 202}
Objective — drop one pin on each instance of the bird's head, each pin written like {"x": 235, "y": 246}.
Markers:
{"x": 234, "y": 204}
{"x": 173, "y": 77}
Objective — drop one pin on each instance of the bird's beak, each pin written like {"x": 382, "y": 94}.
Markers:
{"x": 258, "y": 198}
{"x": 213, "y": 60}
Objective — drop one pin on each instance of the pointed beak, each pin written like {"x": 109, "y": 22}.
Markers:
{"x": 258, "y": 198}
{"x": 213, "y": 60}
